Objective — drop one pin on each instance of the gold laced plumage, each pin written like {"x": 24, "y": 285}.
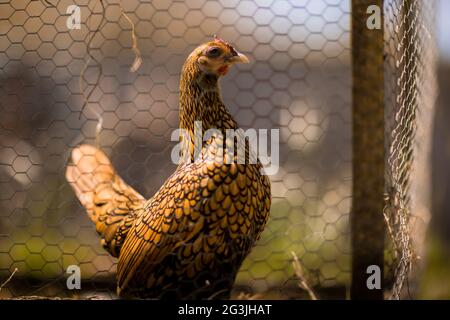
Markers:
{"x": 189, "y": 240}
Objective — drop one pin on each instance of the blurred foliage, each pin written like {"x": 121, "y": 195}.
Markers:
{"x": 435, "y": 282}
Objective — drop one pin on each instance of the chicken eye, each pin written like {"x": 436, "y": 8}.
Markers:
{"x": 214, "y": 52}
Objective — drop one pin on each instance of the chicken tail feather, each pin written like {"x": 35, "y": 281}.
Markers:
{"x": 110, "y": 203}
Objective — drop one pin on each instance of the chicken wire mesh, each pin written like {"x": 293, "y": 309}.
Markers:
{"x": 299, "y": 81}
{"x": 410, "y": 91}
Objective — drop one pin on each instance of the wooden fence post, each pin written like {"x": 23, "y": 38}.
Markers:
{"x": 366, "y": 217}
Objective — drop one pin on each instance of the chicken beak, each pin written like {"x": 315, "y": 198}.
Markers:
{"x": 239, "y": 58}
{"x": 242, "y": 58}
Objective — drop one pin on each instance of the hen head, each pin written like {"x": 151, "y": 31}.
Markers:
{"x": 216, "y": 57}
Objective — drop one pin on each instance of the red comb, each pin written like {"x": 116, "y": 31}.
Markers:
{"x": 220, "y": 40}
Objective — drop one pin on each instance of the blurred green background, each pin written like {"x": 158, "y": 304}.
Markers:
{"x": 299, "y": 81}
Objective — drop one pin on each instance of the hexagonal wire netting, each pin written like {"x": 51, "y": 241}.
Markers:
{"x": 410, "y": 96}
{"x": 299, "y": 80}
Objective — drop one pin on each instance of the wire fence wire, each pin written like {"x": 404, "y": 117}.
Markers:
{"x": 299, "y": 81}
{"x": 410, "y": 72}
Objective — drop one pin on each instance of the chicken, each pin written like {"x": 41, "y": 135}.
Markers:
{"x": 189, "y": 240}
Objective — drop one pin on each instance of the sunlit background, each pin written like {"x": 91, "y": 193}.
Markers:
{"x": 436, "y": 282}
{"x": 299, "y": 81}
